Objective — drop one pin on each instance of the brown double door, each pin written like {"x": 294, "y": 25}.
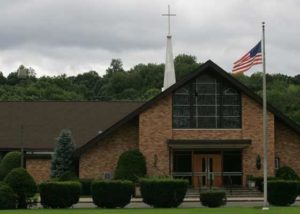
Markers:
{"x": 207, "y": 170}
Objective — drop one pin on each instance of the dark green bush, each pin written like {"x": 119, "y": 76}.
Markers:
{"x": 86, "y": 186}
{"x": 112, "y": 194}
{"x": 22, "y": 184}
{"x": 213, "y": 198}
{"x": 59, "y": 194}
{"x": 259, "y": 182}
{"x": 131, "y": 166}
{"x": 8, "y": 198}
{"x": 10, "y": 161}
{"x": 282, "y": 192}
{"x": 163, "y": 192}
{"x": 68, "y": 176}
{"x": 286, "y": 173}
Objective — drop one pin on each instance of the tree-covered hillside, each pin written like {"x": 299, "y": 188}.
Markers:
{"x": 141, "y": 82}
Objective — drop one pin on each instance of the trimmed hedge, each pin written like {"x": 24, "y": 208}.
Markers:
{"x": 131, "y": 166}
{"x": 282, "y": 192}
{"x": 22, "y": 184}
{"x": 213, "y": 198}
{"x": 8, "y": 198}
{"x": 286, "y": 173}
{"x": 68, "y": 176}
{"x": 59, "y": 194}
{"x": 163, "y": 192}
{"x": 112, "y": 193}
{"x": 10, "y": 161}
{"x": 259, "y": 182}
{"x": 86, "y": 186}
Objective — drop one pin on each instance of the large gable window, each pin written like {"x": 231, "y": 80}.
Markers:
{"x": 207, "y": 103}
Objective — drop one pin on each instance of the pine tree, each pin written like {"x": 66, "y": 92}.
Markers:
{"x": 62, "y": 160}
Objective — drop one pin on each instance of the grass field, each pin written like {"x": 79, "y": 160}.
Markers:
{"x": 273, "y": 210}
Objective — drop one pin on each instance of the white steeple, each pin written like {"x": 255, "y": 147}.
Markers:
{"x": 169, "y": 76}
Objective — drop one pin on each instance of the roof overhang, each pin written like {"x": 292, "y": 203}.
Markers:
{"x": 209, "y": 144}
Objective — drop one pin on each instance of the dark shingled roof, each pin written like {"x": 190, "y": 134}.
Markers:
{"x": 43, "y": 121}
{"x": 213, "y": 69}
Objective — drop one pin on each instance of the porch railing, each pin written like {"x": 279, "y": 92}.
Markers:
{"x": 211, "y": 179}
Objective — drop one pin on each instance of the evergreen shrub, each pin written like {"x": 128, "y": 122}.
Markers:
{"x": 259, "y": 182}
{"x": 163, "y": 192}
{"x": 212, "y": 198}
{"x": 131, "y": 166}
{"x": 22, "y": 184}
{"x": 86, "y": 186}
{"x": 10, "y": 161}
{"x": 62, "y": 158}
{"x": 68, "y": 176}
{"x": 282, "y": 192}
{"x": 286, "y": 173}
{"x": 8, "y": 198}
{"x": 112, "y": 193}
{"x": 59, "y": 194}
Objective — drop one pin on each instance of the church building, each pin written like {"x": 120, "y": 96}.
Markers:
{"x": 206, "y": 128}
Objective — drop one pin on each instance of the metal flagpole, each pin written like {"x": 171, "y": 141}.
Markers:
{"x": 265, "y": 122}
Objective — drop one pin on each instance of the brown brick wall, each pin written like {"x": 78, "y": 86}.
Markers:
{"x": 156, "y": 129}
{"x": 252, "y": 129}
{"x": 103, "y": 156}
{"x": 39, "y": 169}
{"x": 287, "y": 144}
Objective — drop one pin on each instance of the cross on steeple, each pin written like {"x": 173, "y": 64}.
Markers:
{"x": 169, "y": 21}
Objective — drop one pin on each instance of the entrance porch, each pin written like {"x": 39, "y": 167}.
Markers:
{"x": 208, "y": 164}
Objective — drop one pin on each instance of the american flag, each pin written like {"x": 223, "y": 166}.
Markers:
{"x": 253, "y": 57}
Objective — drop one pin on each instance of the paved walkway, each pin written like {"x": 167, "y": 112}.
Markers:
{"x": 188, "y": 202}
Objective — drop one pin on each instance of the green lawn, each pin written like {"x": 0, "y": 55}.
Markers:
{"x": 273, "y": 210}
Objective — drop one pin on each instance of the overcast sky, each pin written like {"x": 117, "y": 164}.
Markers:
{"x": 72, "y": 36}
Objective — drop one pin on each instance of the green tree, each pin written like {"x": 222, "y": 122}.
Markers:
{"x": 7, "y": 197}
{"x": 9, "y": 162}
{"x": 150, "y": 93}
{"x": 22, "y": 184}
{"x": 62, "y": 159}
{"x": 131, "y": 166}
{"x": 184, "y": 64}
{"x": 91, "y": 83}
{"x": 2, "y": 79}
{"x": 25, "y": 73}
{"x": 116, "y": 65}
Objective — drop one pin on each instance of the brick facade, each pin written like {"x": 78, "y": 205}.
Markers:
{"x": 153, "y": 127}
{"x": 252, "y": 129}
{"x": 39, "y": 169}
{"x": 287, "y": 146}
{"x": 156, "y": 128}
{"x": 103, "y": 156}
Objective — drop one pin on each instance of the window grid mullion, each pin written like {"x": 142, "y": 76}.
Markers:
{"x": 200, "y": 105}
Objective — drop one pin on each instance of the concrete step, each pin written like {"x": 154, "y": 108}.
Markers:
{"x": 234, "y": 192}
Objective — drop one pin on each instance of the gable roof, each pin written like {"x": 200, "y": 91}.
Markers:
{"x": 43, "y": 121}
{"x": 207, "y": 66}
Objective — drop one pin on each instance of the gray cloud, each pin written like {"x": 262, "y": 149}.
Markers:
{"x": 73, "y": 36}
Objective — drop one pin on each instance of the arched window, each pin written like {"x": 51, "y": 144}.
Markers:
{"x": 207, "y": 103}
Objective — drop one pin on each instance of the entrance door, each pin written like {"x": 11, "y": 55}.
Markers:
{"x": 207, "y": 170}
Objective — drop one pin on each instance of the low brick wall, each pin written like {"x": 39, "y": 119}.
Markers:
{"x": 39, "y": 169}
